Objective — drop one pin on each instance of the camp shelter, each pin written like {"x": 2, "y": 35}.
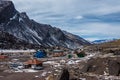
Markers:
{"x": 33, "y": 63}
{"x": 58, "y": 53}
{"x": 40, "y": 54}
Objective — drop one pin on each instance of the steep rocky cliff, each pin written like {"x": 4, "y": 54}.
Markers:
{"x": 20, "y": 26}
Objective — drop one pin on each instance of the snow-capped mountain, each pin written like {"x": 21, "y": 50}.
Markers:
{"x": 102, "y": 41}
{"x": 19, "y": 25}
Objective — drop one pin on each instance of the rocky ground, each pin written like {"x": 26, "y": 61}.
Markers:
{"x": 101, "y": 63}
{"x": 92, "y": 67}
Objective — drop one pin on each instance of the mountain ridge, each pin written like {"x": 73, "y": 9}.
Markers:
{"x": 103, "y": 41}
{"x": 21, "y": 26}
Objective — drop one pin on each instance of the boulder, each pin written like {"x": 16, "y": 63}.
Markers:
{"x": 64, "y": 75}
{"x": 114, "y": 67}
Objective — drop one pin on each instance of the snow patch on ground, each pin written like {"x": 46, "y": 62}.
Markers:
{"x": 17, "y": 51}
{"x": 44, "y": 74}
{"x": 29, "y": 70}
{"x": 49, "y": 62}
{"x": 71, "y": 62}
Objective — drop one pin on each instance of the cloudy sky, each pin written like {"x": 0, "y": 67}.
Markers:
{"x": 90, "y": 19}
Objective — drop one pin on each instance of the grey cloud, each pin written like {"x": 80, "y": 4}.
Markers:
{"x": 97, "y": 15}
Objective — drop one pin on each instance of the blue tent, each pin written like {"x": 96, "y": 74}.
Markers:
{"x": 40, "y": 54}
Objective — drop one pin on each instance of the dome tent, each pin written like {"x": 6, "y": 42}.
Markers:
{"x": 40, "y": 54}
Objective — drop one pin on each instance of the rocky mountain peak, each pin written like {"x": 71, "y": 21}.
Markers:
{"x": 7, "y": 10}
{"x": 20, "y": 26}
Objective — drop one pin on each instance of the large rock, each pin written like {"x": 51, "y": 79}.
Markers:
{"x": 64, "y": 75}
{"x": 96, "y": 66}
{"x": 114, "y": 67}
{"x": 103, "y": 66}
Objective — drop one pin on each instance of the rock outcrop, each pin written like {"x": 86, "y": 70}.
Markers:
{"x": 8, "y": 41}
{"x": 64, "y": 75}
{"x": 103, "y": 66}
{"x": 7, "y": 11}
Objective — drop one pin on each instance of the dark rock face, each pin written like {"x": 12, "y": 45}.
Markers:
{"x": 8, "y": 41}
{"x": 7, "y": 11}
{"x": 20, "y": 26}
{"x": 75, "y": 38}
{"x": 64, "y": 75}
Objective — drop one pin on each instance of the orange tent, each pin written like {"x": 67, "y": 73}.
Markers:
{"x": 33, "y": 62}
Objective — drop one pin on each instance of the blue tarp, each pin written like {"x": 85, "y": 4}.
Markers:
{"x": 40, "y": 54}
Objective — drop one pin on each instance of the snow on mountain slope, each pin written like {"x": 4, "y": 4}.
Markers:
{"x": 20, "y": 26}
{"x": 102, "y": 41}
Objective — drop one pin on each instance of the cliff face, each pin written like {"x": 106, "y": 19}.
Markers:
{"x": 7, "y": 11}
{"x": 8, "y": 41}
{"x": 20, "y": 26}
